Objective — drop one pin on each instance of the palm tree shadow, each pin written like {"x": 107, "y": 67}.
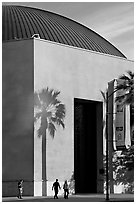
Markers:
{"x": 51, "y": 113}
{"x": 49, "y": 110}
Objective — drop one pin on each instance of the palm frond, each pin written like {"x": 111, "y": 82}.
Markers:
{"x": 55, "y": 102}
{"x": 52, "y": 96}
{"x": 120, "y": 98}
{"x": 44, "y": 97}
{"x": 48, "y": 96}
{"x": 51, "y": 129}
{"x": 124, "y": 77}
{"x": 128, "y": 79}
{"x": 58, "y": 121}
{"x": 131, "y": 74}
{"x": 53, "y": 119}
{"x": 60, "y": 111}
{"x": 127, "y": 86}
{"x": 37, "y": 116}
{"x": 55, "y": 95}
{"x": 129, "y": 98}
{"x": 53, "y": 111}
{"x": 36, "y": 101}
{"x": 123, "y": 86}
{"x": 48, "y": 114}
{"x": 103, "y": 95}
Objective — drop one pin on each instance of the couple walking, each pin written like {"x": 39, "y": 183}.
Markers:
{"x": 20, "y": 189}
{"x": 56, "y": 187}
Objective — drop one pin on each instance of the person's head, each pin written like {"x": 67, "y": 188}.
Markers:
{"x": 65, "y": 181}
{"x": 21, "y": 180}
{"x": 56, "y": 180}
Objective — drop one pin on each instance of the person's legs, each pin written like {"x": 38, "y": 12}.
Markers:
{"x": 64, "y": 193}
{"x": 67, "y": 193}
{"x": 56, "y": 193}
{"x": 18, "y": 194}
{"x": 21, "y": 192}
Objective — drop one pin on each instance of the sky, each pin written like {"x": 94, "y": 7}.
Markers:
{"x": 112, "y": 20}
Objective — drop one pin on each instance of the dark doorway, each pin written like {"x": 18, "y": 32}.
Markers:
{"x": 87, "y": 116}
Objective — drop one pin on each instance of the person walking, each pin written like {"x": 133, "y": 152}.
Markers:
{"x": 56, "y": 187}
{"x": 66, "y": 189}
{"x": 20, "y": 189}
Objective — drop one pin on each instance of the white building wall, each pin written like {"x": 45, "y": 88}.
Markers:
{"x": 76, "y": 73}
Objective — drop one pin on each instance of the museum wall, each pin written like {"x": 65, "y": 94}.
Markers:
{"x": 28, "y": 67}
{"x": 17, "y": 116}
{"x": 76, "y": 73}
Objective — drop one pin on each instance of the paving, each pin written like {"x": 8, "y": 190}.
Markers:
{"x": 74, "y": 198}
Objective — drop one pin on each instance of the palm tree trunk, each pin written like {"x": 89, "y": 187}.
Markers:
{"x": 44, "y": 183}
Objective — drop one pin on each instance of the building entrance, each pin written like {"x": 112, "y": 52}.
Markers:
{"x": 88, "y": 154}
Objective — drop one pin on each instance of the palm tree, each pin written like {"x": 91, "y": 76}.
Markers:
{"x": 125, "y": 172}
{"x": 51, "y": 112}
{"x": 127, "y": 86}
{"x": 127, "y": 97}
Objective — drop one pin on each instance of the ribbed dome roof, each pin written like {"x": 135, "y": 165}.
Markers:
{"x": 19, "y": 22}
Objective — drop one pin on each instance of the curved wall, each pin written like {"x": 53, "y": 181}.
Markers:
{"x": 17, "y": 117}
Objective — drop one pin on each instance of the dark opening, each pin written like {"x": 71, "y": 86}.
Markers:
{"x": 85, "y": 146}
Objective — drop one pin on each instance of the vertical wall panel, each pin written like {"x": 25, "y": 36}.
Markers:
{"x": 17, "y": 116}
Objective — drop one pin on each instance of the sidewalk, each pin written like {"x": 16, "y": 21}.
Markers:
{"x": 74, "y": 198}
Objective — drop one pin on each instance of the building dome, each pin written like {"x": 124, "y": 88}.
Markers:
{"x": 19, "y": 22}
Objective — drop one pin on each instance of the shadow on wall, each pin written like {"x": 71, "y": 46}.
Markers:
{"x": 49, "y": 110}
